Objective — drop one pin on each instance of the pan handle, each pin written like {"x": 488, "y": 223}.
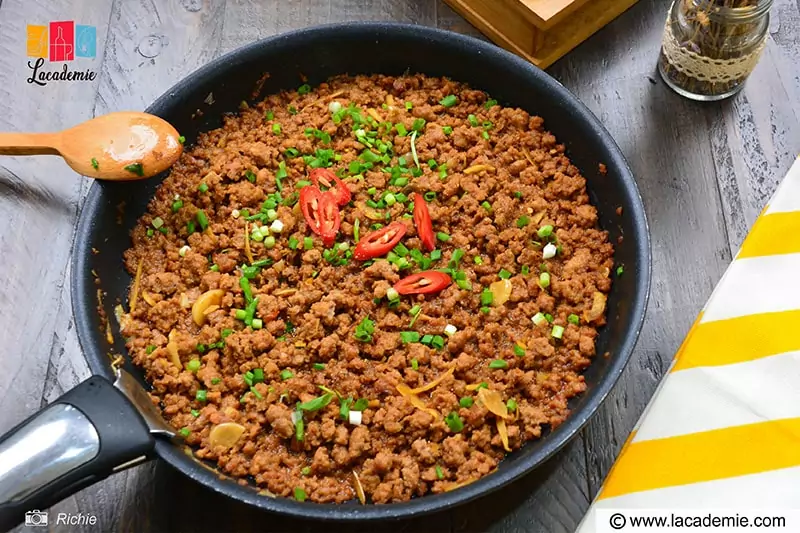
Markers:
{"x": 86, "y": 435}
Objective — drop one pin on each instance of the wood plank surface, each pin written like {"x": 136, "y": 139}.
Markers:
{"x": 704, "y": 171}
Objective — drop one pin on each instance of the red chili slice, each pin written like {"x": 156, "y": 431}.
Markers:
{"x": 426, "y": 282}
{"x": 379, "y": 242}
{"x": 422, "y": 220}
{"x": 321, "y": 213}
{"x": 328, "y": 179}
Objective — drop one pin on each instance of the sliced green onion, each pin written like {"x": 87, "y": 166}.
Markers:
{"x": 454, "y": 422}
{"x": 203, "y": 187}
{"x": 498, "y": 364}
{"x": 195, "y": 413}
{"x": 276, "y": 129}
{"x": 504, "y": 274}
{"x": 429, "y": 196}
{"x": 293, "y": 243}
{"x": 201, "y": 395}
{"x": 525, "y": 270}
{"x": 257, "y": 323}
{"x": 466, "y": 402}
{"x": 176, "y": 205}
{"x": 558, "y": 332}
{"x": 356, "y": 230}
{"x": 158, "y": 222}
{"x": 511, "y": 404}
{"x": 477, "y": 260}
{"x": 473, "y": 121}
{"x": 574, "y": 319}
{"x": 193, "y": 365}
{"x": 449, "y": 101}
{"x": 409, "y": 106}
{"x": 539, "y": 319}
{"x": 214, "y": 268}
{"x": 439, "y": 473}
{"x": 414, "y": 147}
{"x": 135, "y": 168}
{"x": 545, "y": 231}
{"x": 620, "y": 270}
{"x": 304, "y": 89}
{"x": 392, "y": 294}
{"x": 544, "y": 280}
{"x": 523, "y": 221}
{"x": 185, "y": 432}
{"x": 286, "y": 374}
{"x": 447, "y": 130}
{"x": 437, "y": 342}
{"x": 316, "y": 404}
{"x": 519, "y": 351}
{"x": 390, "y": 199}
{"x": 442, "y": 236}
{"x": 409, "y": 336}
{"x": 269, "y": 242}
{"x": 202, "y": 219}
{"x": 490, "y": 103}
{"x": 486, "y": 297}
{"x": 318, "y": 366}
{"x": 401, "y": 129}
{"x": 415, "y": 364}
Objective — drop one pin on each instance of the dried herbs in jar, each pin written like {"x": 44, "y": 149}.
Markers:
{"x": 710, "y": 47}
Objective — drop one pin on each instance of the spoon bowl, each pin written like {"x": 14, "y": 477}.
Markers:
{"x": 120, "y": 146}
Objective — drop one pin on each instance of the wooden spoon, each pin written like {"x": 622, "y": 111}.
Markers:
{"x": 125, "y": 145}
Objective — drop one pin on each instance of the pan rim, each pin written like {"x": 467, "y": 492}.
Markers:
{"x": 175, "y": 456}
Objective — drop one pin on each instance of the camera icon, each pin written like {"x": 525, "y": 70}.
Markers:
{"x": 36, "y": 518}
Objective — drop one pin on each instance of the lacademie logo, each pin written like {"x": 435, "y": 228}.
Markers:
{"x": 60, "y": 41}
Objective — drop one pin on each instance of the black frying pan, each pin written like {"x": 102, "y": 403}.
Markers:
{"x": 95, "y": 429}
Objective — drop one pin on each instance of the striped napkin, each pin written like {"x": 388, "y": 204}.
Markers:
{"x": 723, "y": 429}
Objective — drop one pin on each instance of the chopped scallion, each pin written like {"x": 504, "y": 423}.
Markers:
{"x": 449, "y": 101}
{"x": 544, "y": 280}
{"x": 454, "y": 422}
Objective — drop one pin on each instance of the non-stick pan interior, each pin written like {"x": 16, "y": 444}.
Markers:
{"x": 317, "y": 54}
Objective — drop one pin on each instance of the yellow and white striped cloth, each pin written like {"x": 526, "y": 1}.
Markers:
{"x": 723, "y": 429}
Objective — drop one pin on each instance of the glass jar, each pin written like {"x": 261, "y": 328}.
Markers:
{"x": 710, "y": 47}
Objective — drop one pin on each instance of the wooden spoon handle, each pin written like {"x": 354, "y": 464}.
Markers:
{"x": 28, "y": 144}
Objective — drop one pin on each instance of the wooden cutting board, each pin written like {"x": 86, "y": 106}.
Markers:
{"x": 541, "y": 31}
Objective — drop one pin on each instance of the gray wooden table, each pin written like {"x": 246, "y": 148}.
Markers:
{"x": 704, "y": 170}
